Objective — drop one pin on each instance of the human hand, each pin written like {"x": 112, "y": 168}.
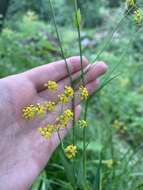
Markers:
{"x": 23, "y": 151}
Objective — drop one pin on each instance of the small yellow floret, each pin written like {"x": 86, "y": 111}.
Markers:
{"x": 40, "y": 110}
{"x": 82, "y": 123}
{"x": 70, "y": 151}
{"x": 50, "y": 106}
{"x": 51, "y": 85}
{"x": 29, "y": 112}
{"x": 109, "y": 163}
{"x": 47, "y": 131}
{"x": 138, "y": 16}
{"x": 83, "y": 93}
{"x": 130, "y": 3}
{"x": 65, "y": 117}
{"x": 117, "y": 124}
{"x": 68, "y": 91}
{"x": 63, "y": 98}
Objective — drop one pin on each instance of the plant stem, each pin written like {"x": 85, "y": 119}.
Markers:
{"x": 79, "y": 40}
{"x": 83, "y": 83}
{"x": 68, "y": 71}
{"x": 59, "y": 41}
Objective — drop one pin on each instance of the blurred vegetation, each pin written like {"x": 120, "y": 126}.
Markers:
{"x": 28, "y": 40}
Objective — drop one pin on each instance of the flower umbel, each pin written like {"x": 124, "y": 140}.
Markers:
{"x": 49, "y": 106}
{"x": 68, "y": 91}
{"x": 51, "y": 85}
{"x": 130, "y": 3}
{"x": 29, "y": 112}
{"x": 64, "y": 118}
{"x": 82, "y": 123}
{"x": 70, "y": 151}
{"x": 40, "y": 110}
{"x": 83, "y": 93}
{"x": 63, "y": 98}
{"x": 117, "y": 124}
{"x": 47, "y": 131}
{"x": 109, "y": 163}
{"x": 138, "y": 16}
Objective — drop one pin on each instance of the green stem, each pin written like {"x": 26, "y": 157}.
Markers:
{"x": 68, "y": 70}
{"x": 112, "y": 34}
{"x": 83, "y": 82}
{"x": 59, "y": 41}
{"x": 79, "y": 40}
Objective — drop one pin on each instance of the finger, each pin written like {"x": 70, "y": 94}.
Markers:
{"x": 54, "y": 71}
{"x": 95, "y": 71}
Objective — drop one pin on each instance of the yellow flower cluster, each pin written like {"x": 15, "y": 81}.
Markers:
{"x": 65, "y": 117}
{"x": 68, "y": 91}
{"x": 47, "y": 131}
{"x": 40, "y": 110}
{"x": 64, "y": 97}
{"x": 29, "y": 112}
{"x": 82, "y": 123}
{"x": 138, "y": 16}
{"x": 32, "y": 111}
{"x": 83, "y": 93}
{"x": 50, "y": 106}
{"x": 130, "y": 3}
{"x": 51, "y": 85}
{"x": 108, "y": 163}
{"x": 117, "y": 124}
{"x": 70, "y": 151}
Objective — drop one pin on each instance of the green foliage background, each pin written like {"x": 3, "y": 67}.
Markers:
{"x": 28, "y": 40}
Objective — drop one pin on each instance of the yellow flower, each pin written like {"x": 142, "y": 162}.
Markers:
{"x": 83, "y": 93}
{"x": 51, "y": 85}
{"x": 40, "y": 110}
{"x": 50, "y": 106}
{"x": 70, "y": 151}
{"x": 138, "y": 16}
{"x": 31, "y": 16}
{"x": 109, "y": 163}
{"x": 124, "y": 82}
{"x": 63, "y": 98}
{"x": 64, "y": 118}
{"x": 140, "y": 90}
{"x": 130, "y": 3}
{"x": 29, "y": 112}
{"x": 82, "y": 123}
{"x": 117, "y": 124}
{"x": 47, "y": 131}
{"x": 68, "y": 91}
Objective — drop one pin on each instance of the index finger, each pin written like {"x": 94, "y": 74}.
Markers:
{"x": 54, "y": 71}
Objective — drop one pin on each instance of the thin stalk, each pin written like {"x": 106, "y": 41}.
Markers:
{"x": 83, "y": 82}
{"x": 64, "y": 58}
{"x": 79, "y": 40}
{"x": 105, "y": 45}
{"x": 112, "y": 34}
{"x": 59, "y": 41}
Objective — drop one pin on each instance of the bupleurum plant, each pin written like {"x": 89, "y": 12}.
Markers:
{"x": 70, "y": 151}
{"x": 41, "y": 109}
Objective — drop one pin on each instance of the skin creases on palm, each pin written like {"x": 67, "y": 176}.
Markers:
{"x": 24, "y": 152}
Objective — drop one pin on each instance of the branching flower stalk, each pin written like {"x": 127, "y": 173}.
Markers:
{"x": 68, "y": 71}
{"x": 78, "y": 26}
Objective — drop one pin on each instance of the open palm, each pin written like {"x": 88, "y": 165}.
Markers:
{"x": 23, "y": 152}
